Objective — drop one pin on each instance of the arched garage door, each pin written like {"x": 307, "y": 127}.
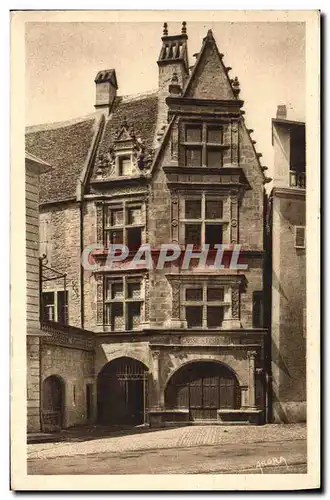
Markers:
{"x": 122, "y": 392}
{"x": 203, "y": 387}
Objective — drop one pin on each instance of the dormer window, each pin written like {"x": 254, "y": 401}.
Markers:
{"x": 125, "y": 165}
{"x": 126, "y": 157}
{"x": 203, "y": 145}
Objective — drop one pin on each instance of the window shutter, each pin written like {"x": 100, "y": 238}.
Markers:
{"x": 299, "y": 239}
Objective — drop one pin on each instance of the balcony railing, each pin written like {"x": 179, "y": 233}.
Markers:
{"x": 297, "y": 179}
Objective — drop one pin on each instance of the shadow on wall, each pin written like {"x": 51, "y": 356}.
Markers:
{"x": 280, "y": 363}
{"x": 277, "y": 285}
{"x": 288, "y": 412}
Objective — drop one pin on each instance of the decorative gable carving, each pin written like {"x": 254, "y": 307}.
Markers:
{"x": 126, "y": 144}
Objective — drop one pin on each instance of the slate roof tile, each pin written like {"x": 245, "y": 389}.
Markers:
{"x": 66, "y": 148}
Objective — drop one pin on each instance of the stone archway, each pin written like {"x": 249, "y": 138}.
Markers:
{"x": 122, "y": 392}
{"x": 203, "y": 387}
{"x": 53, "y": 403}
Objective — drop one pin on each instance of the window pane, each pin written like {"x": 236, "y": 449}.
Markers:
{"x": 214, "y": 316}
{"x": 117, "y": 217}
{"x": 133, "y": 315}
{"x": 62, "y": 307}
{"x": 215, "y": 294}
{"x": 117, "y": 290}
{"x": 193, "y": 134}
{"x": 194, "y": 294}
{"x": 48, "y": 307}
{"x": 214, "y": 158}
{"x": 213, "y": 234}
{"x": 133, "y": 290}
{"x": 193, "y": 209}
{"x": 214, "y": 209}
{"x": 193, "y": 234}
{"x": 125, "y": 166}
{"x": 194, "y": 316}
{"x": 134, "y": 215}
{"x": 215, "y": 135}
{"x": 134, "y": 238}
{"x": 193, "y": 157}
{"x": 116, "y": 237}
{"x": 117, "y": 317}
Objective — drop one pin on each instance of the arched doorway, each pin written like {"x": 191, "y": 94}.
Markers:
{"x": 122, "y": 392}
{"x": 203, "y": 388}
{"x": 52, "y": 403}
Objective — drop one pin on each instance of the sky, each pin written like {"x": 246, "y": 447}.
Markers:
{"x": 62, "y": 59}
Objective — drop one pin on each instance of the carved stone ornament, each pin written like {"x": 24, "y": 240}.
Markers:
{"x": 175, "y": 299}
{"x": 147, "y": 298}
{"x": 142, "y": 156}
{"x": 99, "y": 299}
{"x": 235, "y": 302}
{"x": 106, "y": 162}
{"x": 235, "y": 86}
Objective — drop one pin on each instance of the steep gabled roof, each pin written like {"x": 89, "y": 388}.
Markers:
{"x": 66, "y": 147}
{"x": 209, "y": 77}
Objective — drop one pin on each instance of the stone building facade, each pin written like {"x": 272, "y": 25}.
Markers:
{"x": 175, "y": 166}
{"x": 33, "y": 168}
{"x": 56, "y": 352}
{"x": 287, "y": 250}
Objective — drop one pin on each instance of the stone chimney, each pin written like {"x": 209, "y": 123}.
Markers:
{"x": 281, "y": 111}
{"x": 106, "y": 89}
{"x": 173, "y": 69}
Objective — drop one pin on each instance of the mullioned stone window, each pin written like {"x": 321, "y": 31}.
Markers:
{"x": 124, "y": 223}
{"x": 123, "y": 303}
{"x": 203, "y": 145}
{"x": 205, "y": 305}
{"x": 204, "y": 219}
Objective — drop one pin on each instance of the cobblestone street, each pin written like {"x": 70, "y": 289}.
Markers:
{"x": 177, "y": 450}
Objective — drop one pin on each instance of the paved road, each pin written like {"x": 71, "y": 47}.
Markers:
{"x": 205, "y": 449}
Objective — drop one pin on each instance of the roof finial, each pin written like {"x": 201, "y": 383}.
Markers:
{"x": 184, "y": 28}
{"x": 165, "y": 31}
{"x": 209, "y": 36}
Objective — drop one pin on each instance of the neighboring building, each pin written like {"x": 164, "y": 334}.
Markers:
{"x": 287, "y": 243}
{"x": 53, "y": 348}
{"x": 177, "y": 165}
{"x": 33, "y": 168}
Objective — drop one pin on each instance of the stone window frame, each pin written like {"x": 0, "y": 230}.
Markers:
{"x": 205, "y": 195}
{"x": 204, "y": 145}
{"x": 235, "y": 285}
{"x": 124, "y": 300}
{"x": 124, "y": 205}
{"x": 204, "y": 302}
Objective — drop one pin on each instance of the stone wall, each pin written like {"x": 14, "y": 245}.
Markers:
{"x": 62, "y": 238}
{"x": 32, "y": 298}
{"x": 288, "y": 312}
{"x": 33, "y": 383}
{"x": 76, "y": 369}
